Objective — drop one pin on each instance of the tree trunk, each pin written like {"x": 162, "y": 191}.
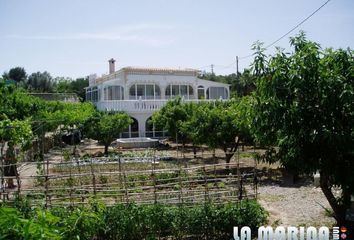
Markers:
{"x": 230, "y": 153}
{"x": 339, "y": 209}
{"x": 41, "y": 147}
{"x": 228, "y": 157}
{"x": 106, "y": 149}
{"x": 195, "y": 151}
{"x": 10, "y": 168}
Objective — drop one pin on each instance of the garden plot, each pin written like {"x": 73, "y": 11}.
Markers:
{"x": 142, "y": 180}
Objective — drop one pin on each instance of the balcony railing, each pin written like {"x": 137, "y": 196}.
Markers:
{"x": 136, "y": 105}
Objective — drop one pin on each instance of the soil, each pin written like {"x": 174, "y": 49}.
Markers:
{"x": 298, "y": 205}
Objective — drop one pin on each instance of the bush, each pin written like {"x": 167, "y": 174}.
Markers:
{"x": 41, "y": 225}
{"x": 156, "y": 221}
{"x": 132, "y": 221}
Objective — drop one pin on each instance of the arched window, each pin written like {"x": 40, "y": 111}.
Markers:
{"x": 144, "y": 91}
{"x": 132, "y": 130}
{"x": 152, "y": 130}
{"x": 201, "y": 92}
{"x": 217, "y": 93}
{"x": 185, "y": 91}
{"x": 113, "y": 93}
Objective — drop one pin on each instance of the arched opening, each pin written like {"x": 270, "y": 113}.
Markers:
{"x": 144, "y": 91}
{"x": 201, "y": 92}
{"x": 152, "y": 131}
{"x": 149, "y": 128}
{"x": 132, "y": 130}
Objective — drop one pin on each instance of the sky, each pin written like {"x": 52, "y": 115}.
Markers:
{"x": 75, "y": 38}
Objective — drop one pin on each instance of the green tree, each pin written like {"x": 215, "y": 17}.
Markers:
{"x": 17, "y": 74}
{"x": 221, "y": 125}
{"x": 55, "y": 114}
{"x": 62, "y": 85}
{"x": 68, "y": 85}
{"x": 242, "y": 84}
{"x": 106, "y": 127}
{"x": 217, "y": 124}
{"x": 13, "y": 133}
{"x": 17, "y": 104}
{"x": 245, "y": 84}
{"x": 78, "y": 87}
{"x": 305, "y": 115}
{"x": 40, "y": 82}
{"x": 68, "y": 114}
{"x": 171, "y": 118}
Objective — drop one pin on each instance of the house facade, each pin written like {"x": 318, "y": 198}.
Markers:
{"x": 140, "y": 91}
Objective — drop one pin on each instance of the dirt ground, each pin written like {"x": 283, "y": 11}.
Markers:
{"x": 300, "y": 205}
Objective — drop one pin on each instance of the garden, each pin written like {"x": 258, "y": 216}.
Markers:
{"x": 299, "y": 119}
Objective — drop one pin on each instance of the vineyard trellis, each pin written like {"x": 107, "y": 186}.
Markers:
{"x": 110, "y": 179}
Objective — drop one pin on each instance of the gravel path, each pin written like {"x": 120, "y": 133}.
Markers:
{"x": 295, "y": 206}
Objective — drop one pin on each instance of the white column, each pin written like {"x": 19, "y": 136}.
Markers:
{"x": 163, "y": 89}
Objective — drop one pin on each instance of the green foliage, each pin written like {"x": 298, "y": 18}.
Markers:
{"x": 83, "y": 222}
{"x": 40, "y": 180}
{"x": 17, "y": 104}
{"x": 95, "y": 221}
{"x": 305, "y": 109}
{"x": 41, "y": 225}
{"x": 242, "y": 84}
{"x": 218, "y": 124}
{"x": 17, "y": 74}
{"x": 16, "y": 132}
{"x": 161, "y": 178}
{"x": 106, "y": 127}
{"x": 43, "y": 82}
{"x": 78, "y": 87}
{"x": 103, "y": 179}
{"x": 21, "y": 109}
{"x": 66, "y": 114}
{"x": 62, "y": 85}
{"x": 68, "y": 85}
{"x": 221, "y": 125}
{"x": 214, "y": 221}
{"x": 40, "y": 82}
{"x": 171, "y": 118}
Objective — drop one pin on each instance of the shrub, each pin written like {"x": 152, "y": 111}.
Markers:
{"x": 156, "y": 221}
{"x": 41, "y": 225}
{"x": 132, "y": 221}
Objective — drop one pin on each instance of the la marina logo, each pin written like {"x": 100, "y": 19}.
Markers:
{"x": 339, "y": 233}
{"x": 291, "y": 233}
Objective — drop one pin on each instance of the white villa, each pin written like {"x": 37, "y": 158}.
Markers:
{"x": 141, "y": 91}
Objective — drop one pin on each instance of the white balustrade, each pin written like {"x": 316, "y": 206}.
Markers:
{"x": 135, "y": 105}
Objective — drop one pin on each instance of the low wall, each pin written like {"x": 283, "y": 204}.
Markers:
{"x": 142, "y": 142}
